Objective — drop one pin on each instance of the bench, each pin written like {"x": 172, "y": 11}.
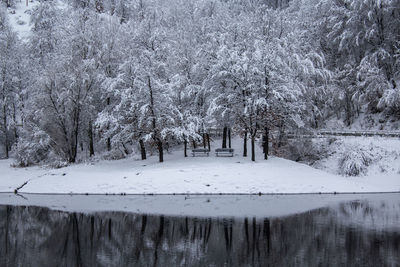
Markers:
{"x": 200, "y": 152}
{"x": 224, "y": 152}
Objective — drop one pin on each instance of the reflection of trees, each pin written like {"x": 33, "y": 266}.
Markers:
{"x": 31, "y": 236}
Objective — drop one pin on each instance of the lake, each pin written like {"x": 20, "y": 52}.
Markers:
{"x": 274, "y": 230}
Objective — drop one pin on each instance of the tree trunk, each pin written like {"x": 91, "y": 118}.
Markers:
{"x": 90, "y": 133}
{"x": 266, "y": 143}
{"x": 75, "y": 136}
{"x": 224, "y": 137}
{"x": 108, "y": 127}
{"x": 245, "y": 144}
{"x": 185, "y": 147}
{"x": 194, "y": 143}
{"x": 160, "y": 150}
{"x": 253, "y": 148}
{"x": 108, "y": 144}
{"x": 142, "y": 149}
{"x": 208, "y": 142}
{"x": 281, "y": 133}
{"x": 6, "y": 145}
{"x": 204, "y": 140}
{"x": 126, "y": 150}
{"x": 229, "y": 138}
{"x": 15, "y": 123}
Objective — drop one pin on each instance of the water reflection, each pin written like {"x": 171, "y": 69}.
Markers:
{"x": 351, "y": 234}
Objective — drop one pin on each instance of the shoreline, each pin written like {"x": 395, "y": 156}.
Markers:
{"x": 193, "y": 206}
{"x": 203, "y": 194}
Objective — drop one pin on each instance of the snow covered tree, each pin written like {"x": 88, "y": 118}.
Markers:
{"x": 8, "y": 83}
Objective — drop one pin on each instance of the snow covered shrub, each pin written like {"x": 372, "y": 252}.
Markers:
{"x": 354, "y": 161}
{"x": 114, "y": 154}
{"x": 32, "y": 148}
{"x": 303, "y": 149}
{"x": 56, "y": 162}
{"x": 391, "y": 101}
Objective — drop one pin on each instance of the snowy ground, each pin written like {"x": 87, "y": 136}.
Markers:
{"x": 19, "y": 17}
{"x": 198, "y": 175}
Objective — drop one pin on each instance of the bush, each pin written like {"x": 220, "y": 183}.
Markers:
{"x": 114, "y": 154}
{"x": 304, "y": 150}
{"x": 32, "y": 148}
{"x": 355, "y": 161}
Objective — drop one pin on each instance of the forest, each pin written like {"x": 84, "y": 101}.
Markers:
{"x": 116, "y": 77}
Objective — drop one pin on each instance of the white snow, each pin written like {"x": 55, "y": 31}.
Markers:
{"x": 198, "y": 175}
{"x": 20, "y": 21}
{"x": 384, "y": 151}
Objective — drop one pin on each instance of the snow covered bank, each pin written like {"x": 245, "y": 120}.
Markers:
{"x": 178, "y": 175}
{"x": 199, "y": 175}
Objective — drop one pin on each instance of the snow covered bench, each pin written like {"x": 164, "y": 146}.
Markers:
{"x": 200, "y": 152}
{"x": 224, "y": 152}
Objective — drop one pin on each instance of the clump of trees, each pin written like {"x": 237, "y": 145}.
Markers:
{"x": 121, "y": 76}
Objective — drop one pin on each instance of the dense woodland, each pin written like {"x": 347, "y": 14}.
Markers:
{"x": 120, "y": 77}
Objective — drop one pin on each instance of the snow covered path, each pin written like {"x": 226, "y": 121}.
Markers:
{"x": 178, "y": 175}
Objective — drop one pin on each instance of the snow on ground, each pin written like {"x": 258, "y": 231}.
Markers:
{"x": 192, "y": 175}
{"x": 20, "y": 16}
{"x": 20, "y": 21}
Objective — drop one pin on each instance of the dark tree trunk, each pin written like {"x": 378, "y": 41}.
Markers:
{"x": 185, "y": 147}
{"x": 90, "y": 133}
{"x": 108, "y": 139}
{"x": 108, "y": 144}
{"x": 194, "y": 143}
{"x": 224, "y": 133}
{"x": 208, "y": 142}
{"x": 6, "y": 141}
{"x": 281, "y": 134}
{"x": 15, "y": 123}
{"x": 75, "y": 133}
{"x": 245, "y": 144}
{"x": 126, "y": 150}
{"x": 142, "y": 149}
{"x": 204, "y": 140}
{"x": 160, "y": 150}
{"x": 229, "y": 138}
{"x": 266, "y": 142}
{"x": 253, "y": 148}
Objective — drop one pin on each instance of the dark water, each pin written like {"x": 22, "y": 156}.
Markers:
{"x": 355, "y": 233}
